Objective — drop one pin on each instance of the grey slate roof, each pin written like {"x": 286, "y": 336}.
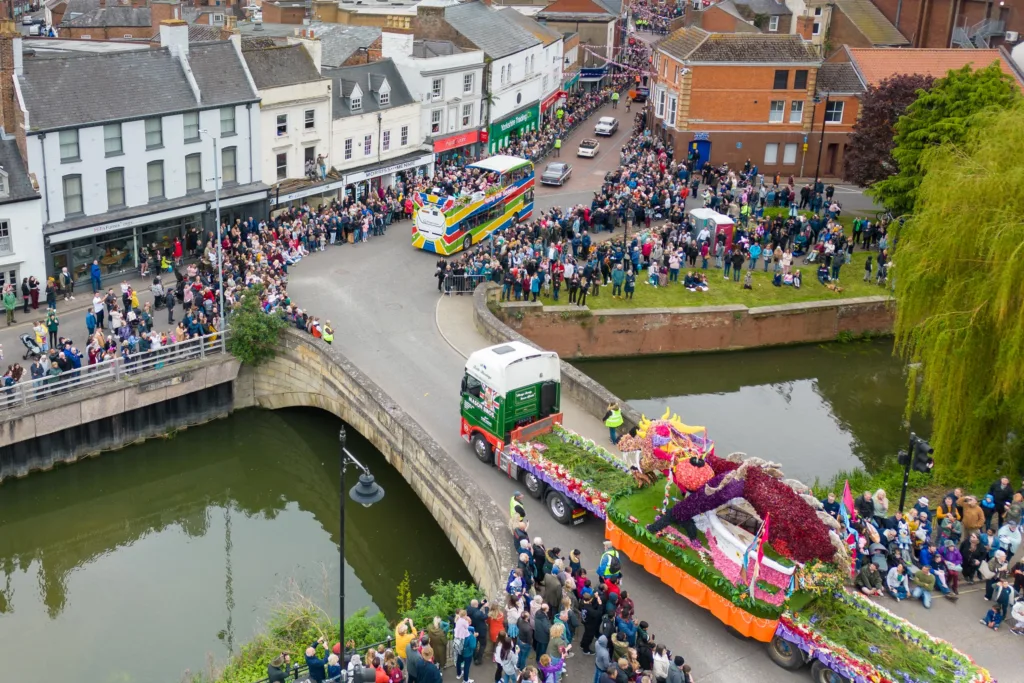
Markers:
{"x": 692, "y": 44}
{"x": 280, "y": 66}
{"x": 220, "y": 74}
{"x": 110, "y": 16}
{"x": 768, "y": 7}
{"x": 839, "y": 78}
{"x": 83, "y": 90}
{"x": 18, "y": 182}
{"x": 582, "y": 17}
{"x": 347, "y": 77}
{"x": 870, "y": 21}
{"x": 536, "y": 29}
{"x": 338, "y": 42}
{"x": 489, "y": 29}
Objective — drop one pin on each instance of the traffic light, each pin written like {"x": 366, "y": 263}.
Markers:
{"x": 903, "y": 458}
{"x": 922, "y": 452}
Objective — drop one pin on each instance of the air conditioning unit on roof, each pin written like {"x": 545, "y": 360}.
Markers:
{"x": 1012, "y": 36}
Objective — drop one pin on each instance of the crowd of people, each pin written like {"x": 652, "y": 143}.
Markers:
{"x": 913, "y": 555}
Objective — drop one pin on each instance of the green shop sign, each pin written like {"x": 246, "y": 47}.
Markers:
{"x": 524, "y": 120}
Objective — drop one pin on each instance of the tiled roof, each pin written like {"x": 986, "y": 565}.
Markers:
{"x": 338, "y": 42}
{"x": 19, "y": 184}
{"x": 220, "y": 74}
{"x": 109, "y": 16}
{"x": 255, "y": 43}
{"x": 768, "y": 7}
{"x": 877, "y": 64}
{"x": 201, "y": 33}
{"x": 839, "y": 78}
{"x": 870, "y": 21}
{"x": 280, "y": 66}
{"x": 92, "y": 89}
{"x": 537, "y": 30}
{"x": 692, "y": 45}
{"x": 491, "y": 31}
{"x": 583, "y": 7}
{"x": 347, "y": 77}
{"x": 582, "y": 17}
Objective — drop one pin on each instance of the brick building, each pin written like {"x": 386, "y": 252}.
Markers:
{"x": 284, "y": 11}
{"x": 594, "y": 21}
{"x": 737, "y": 96}
{"x": 934, "y": 23}
{"x": 743, "y": 16}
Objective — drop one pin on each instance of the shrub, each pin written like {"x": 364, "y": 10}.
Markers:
{"x": 254, "y": 334}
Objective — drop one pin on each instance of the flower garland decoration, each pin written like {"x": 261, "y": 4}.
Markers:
{"x": 797, "y": 532}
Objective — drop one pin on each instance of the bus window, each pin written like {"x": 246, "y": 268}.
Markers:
{"x": 528, "y": 197}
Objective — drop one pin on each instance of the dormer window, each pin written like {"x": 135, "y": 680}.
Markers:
{"x": 5, "y": 187}
{"x": 384, "y": 98}
{"x": 357, "y": 103}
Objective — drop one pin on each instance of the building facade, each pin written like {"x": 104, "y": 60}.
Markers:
{"x": 513, "y": 78}
{"x": 21, "y": 218}
{"x": 448, "y": 83}
{"x": 377, "y": 138}
{"x": 295, "y": 110}
{"x": 134, "y": 163}
{"x": 733, "y": 97}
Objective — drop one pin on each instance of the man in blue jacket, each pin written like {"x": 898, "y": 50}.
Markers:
{"x": 95, "y": 274}
{"x": 317, "y": 666}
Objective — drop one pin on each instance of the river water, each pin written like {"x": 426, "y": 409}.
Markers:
{"x": 816, "y": 409}
{"x": 142, "y": 563}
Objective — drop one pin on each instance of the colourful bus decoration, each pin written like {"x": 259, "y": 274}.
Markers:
{"x": 448, "y": 224}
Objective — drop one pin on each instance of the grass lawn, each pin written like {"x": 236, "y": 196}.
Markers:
{"x": 722, "y": 292}
{"x": 645, "y": 504}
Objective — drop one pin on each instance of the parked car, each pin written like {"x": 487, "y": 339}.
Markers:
{"x": 556, "y": 173}
{"x": 606, "y": 125}
{"x": 588, "y": 148}
{"x": 26, "y": 19}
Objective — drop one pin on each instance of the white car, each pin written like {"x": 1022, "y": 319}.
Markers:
{"x": 26, "y": 20}
{"x": 606, "y": 125}
{"x": 588, "y": 148}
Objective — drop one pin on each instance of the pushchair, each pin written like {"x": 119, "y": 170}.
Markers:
{"x": 31, "y": 348}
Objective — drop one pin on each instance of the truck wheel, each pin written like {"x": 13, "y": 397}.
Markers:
{"x": 560, "y": 508}
{"x": 467, "y": 243}
{"x": 515, "y": 218}
{"x": 482, "y": 449}
{"x": 534, "y": 486}
{"x": 822, "y": 674}
{"x": 785, "y": 654}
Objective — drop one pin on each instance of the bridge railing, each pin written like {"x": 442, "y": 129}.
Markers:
{"x": 300, "y": 672}
{"x": 33, "y": 390}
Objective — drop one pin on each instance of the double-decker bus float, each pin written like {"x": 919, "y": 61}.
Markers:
{"x": 497, "y": 193}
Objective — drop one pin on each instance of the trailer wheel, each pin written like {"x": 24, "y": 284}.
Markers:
{"x": 560, "y": 508}
{"x": 822, "y": 674}
{"x": 534, "y": 486}
{"x": 467, "y": 243}
{"x": 482, "y": 449}
{"x": 785, "y": 654}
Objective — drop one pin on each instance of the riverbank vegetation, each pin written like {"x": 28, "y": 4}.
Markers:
{"x": 298, "y": 621}
{"x": 254, "y": 334}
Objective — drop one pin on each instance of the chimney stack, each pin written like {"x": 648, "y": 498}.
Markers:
{"x": 174, "y": 35}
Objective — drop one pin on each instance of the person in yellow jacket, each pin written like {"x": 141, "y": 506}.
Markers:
{"x": 328, "y": 332}
{"x": 558, "y": 147}
{"x": 404, "y": 634}
{"x": 613, "y": 420}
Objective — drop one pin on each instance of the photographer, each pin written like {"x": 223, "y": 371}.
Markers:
{"x": 277, "y": 670}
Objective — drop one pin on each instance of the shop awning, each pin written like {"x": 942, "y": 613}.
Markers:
{"x": 307, "y": 191}
{"x": 402, "y": 163}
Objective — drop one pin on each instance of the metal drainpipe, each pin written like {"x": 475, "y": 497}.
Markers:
{"x": 899, "y": 10}
{"x": 248, "y": 118}
{"x": 46, "y": 181}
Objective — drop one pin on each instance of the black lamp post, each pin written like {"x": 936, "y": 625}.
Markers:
{"x": 366, "y": 492}
{"x": 821, "y": 140}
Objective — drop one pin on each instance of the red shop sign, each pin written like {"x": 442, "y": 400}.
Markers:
{"x": 456, "y": 141}
{"x": 552, "y": 99}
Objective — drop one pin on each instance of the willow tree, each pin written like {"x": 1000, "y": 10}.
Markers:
{"x": 959, "y": 269}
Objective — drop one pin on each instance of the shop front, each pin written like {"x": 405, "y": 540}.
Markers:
{"x": 315, "y": 194}
{"x": 552, "y": 103}
{"x": 572, "y": 81}
{"x": 512, "y": 126}
{"x": 458, "y": 148}
{"x": 360, "y": 182}
{"x": 116, "y": 244}
{"x": 592, "y": 78}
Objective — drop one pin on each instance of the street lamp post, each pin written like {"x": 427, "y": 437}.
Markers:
{"x": 220, "y": 259}
{"x": 821, "y": 140}
{"x": 366, "y": 492}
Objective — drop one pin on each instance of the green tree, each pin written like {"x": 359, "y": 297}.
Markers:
{"x": 404, "y": 595}
{"x": 936, "y": 117}
{"x": 959, "y": 269}
{"x": 254, "y": 334}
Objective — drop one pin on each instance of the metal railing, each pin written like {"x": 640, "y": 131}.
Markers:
{"x": 461, "y": 284}
{"x": 296, "y": 670}
{"x": 30, "y": 391}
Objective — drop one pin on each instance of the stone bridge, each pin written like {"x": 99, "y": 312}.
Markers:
{"x": 308, "y": 372}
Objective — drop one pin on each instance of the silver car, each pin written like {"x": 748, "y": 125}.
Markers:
{"x": 556, "y": 173}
